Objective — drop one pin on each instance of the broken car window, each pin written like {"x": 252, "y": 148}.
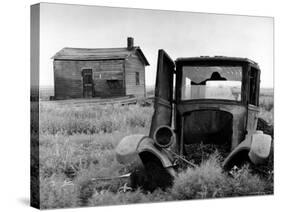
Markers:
{"x": 212, "y": 82}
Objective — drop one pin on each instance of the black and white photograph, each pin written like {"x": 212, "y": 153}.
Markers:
{"x": 143, "y": 105}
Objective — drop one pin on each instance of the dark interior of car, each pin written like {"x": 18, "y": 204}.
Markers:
{"x": 208, "y": 127}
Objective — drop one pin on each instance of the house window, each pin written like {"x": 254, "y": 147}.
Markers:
{"x": 137, "y": 78}
{"x": 115, "y": 84}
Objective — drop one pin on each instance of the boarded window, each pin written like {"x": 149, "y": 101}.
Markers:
{"x": 137, "y": 78}
{"x": 115, "y": 84}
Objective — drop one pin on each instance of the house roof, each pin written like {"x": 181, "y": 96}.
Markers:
{"x": 68, "y": 53}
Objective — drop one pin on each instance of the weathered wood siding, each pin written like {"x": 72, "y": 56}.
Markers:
{"x": 108, "y": 79}
{"x": 133, "y": 65}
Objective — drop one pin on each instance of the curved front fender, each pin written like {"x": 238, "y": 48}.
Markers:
{"x": 147, "y": 145}
{"x": 126, "y": 150}
{"x": 260, "y": 148}
{"x": 256, "y": 146}
{"x": 131, "y": 147}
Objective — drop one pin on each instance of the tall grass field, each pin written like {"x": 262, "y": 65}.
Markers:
{"x": 76, "y": 144}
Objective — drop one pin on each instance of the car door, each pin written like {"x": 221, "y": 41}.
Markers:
{"x": 163, "y": 103}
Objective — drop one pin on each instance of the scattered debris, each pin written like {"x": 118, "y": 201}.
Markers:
{"x": 125, "y": 188}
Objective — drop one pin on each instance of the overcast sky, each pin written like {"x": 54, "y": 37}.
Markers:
{"x": 180, "y": 34}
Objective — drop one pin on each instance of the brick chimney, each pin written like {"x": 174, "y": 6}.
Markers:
{"x": 130, "y": 43}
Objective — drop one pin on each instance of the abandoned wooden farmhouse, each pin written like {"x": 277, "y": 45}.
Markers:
{"x": 101, "y": 72}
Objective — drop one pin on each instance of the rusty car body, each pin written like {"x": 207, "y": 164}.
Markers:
{"x": 209, "y": 100}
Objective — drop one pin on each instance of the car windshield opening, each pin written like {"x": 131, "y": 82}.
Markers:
{"x": 211, "y": 82}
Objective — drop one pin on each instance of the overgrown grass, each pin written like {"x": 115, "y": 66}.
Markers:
{"x": 206, "y": 181}
{"x": 210, "y": 181}
{"x": 77, "y": 144}
{"x": 78, "y": 158}
{"x": 267, "y": 108}
{"x": 87, "y": 119}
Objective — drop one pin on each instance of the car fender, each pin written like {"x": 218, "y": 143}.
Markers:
{"x": 126, "y": 150}
{"x": 260, "y": 148}
{"x": 256, "y": 146}
{"x": 147, "y": 146}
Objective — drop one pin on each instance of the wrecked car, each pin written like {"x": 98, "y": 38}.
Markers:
{"x": 206, "y": 100}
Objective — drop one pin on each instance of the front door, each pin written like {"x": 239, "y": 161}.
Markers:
{"x": 163, "y": 92}
{"x": 87, "y": 75}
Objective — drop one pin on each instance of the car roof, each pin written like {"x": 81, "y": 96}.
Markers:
{"x": 224, "y": 59}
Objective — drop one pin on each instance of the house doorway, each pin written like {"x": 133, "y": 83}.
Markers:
{"x": 87, "y": 75}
